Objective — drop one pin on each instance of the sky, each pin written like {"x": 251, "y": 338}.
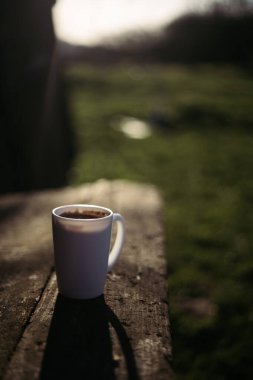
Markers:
{"x": 89, "y": 21}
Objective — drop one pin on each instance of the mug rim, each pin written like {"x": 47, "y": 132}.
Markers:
{"x": 83, "y": 206}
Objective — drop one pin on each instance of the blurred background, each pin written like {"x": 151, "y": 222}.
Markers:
{"x": 151, "y": 91}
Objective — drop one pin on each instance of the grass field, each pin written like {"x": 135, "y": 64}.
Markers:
{"x": 202, "y": 162}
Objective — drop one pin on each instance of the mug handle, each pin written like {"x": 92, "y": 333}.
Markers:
{"x": 119, "y": 240}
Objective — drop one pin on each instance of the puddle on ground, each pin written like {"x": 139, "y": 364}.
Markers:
{"x": 132, "y": 127}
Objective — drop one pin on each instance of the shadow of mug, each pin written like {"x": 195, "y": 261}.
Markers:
{"x": 79, "y": 345}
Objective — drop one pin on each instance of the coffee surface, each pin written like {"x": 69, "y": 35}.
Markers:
{"x": 84, "y": 214}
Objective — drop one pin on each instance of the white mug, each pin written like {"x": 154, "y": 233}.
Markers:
{"x": 82, "y": 236}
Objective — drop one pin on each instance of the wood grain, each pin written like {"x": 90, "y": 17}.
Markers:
{"x": 123, "y": 334}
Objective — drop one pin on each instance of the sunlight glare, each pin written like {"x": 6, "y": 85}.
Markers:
{"x": 88, "y": 21}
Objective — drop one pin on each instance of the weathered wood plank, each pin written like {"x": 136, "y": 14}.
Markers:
{"x": 127, "y": 331}
{"x": 26, "y": 257}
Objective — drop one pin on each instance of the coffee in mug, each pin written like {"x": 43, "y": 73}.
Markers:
{"x": 82, "y": 237}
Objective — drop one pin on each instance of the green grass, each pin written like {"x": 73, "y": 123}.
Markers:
{"x": 203, "y": 167}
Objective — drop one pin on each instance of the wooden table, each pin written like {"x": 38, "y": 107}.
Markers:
{"x": 123, "y": 334}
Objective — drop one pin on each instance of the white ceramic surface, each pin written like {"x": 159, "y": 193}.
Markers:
{"x": 81, "y": 250}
